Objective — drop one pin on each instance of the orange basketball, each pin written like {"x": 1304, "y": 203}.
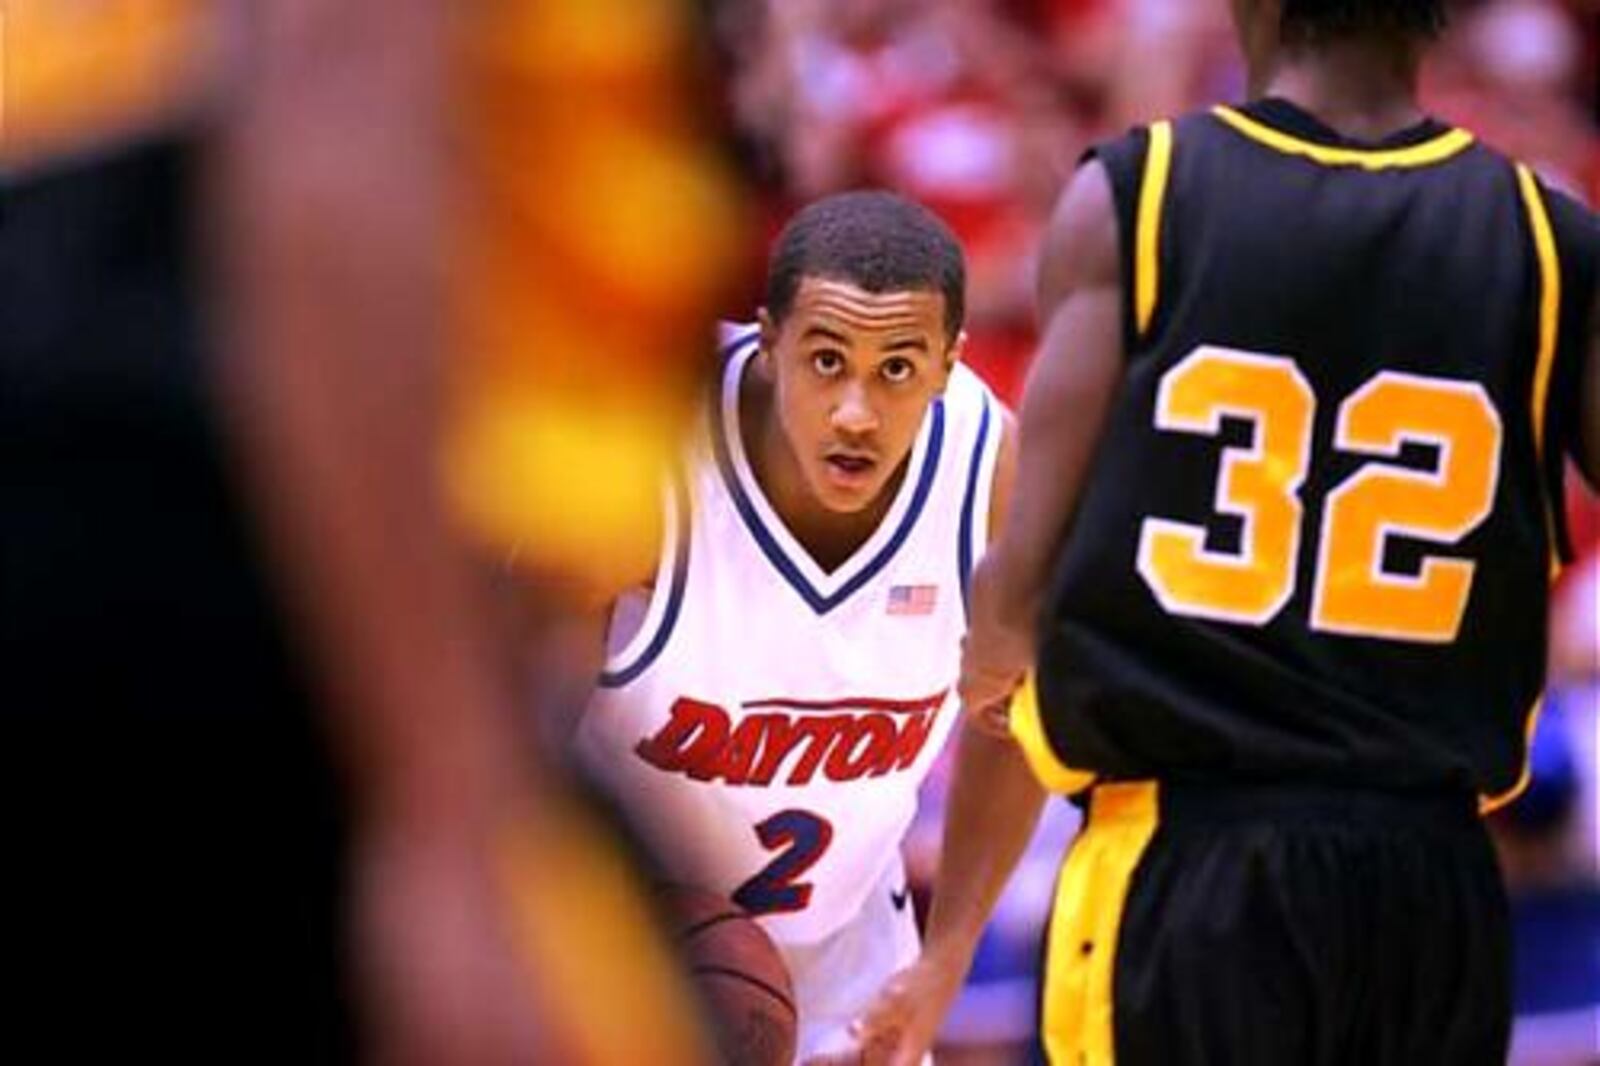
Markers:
{"x": 740, "y": 975}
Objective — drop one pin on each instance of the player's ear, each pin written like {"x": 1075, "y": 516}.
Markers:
{"x": 769, "y": 333}
{"x": 953, "y": 355}
{"x": 956, "y": 352}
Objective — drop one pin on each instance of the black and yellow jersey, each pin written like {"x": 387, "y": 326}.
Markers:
{"x": 79, "y": 78}
{"x": 1318, "y": 535}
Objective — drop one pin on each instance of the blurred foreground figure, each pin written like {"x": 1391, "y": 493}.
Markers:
{"x": 294, "y": 819}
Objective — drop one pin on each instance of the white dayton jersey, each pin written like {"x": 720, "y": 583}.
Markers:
{"x": 769, "y": 723}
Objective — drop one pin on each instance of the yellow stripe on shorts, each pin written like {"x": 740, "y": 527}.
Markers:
{"x": 1027, "y": 728}
{"x": 1087, "y": 921}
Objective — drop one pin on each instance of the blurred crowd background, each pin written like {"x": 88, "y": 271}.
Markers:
{"x": 980, "y": 109}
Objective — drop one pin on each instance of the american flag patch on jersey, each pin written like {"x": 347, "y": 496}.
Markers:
{"x": 913, "y": 599}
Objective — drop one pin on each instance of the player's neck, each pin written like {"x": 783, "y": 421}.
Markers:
{"x": 829, "y": 537}
{"x": 1365, "y": 90}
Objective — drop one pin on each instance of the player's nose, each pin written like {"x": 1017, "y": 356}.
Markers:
{"x": 853, "y": 413}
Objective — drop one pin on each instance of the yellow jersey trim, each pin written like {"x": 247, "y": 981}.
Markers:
{"x": 1428, "y": 152}
{"x": 1147, "y": 241}
{"x": 1085, "y": 927}
{"x": 75, "y": 76}
{"x": 1027, "y": 728}
{"x": 1490, "y": 804}
{"x": 1544, "y": 244}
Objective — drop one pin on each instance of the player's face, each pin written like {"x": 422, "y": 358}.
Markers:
{"x": 854, "y": 374}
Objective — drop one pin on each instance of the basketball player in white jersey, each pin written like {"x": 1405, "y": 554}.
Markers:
{"x": 778, "y": 689}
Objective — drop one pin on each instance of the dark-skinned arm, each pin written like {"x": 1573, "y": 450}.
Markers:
{"x": 995, "y": 800}
{"x": 328, "y": 186}
{"x": 1064, "y": 408}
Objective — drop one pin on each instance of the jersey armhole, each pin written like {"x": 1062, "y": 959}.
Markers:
{"x": 666, "y": 593}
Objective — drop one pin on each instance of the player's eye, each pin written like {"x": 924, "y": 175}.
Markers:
{"x": 827, "y": 364}
{"x": 897, "y": 370}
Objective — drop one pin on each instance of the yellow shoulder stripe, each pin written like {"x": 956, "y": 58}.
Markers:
{"x": 1544, "y": 244}
{"x": 1147, "y": 246}
{"x": 1436, "y": 150}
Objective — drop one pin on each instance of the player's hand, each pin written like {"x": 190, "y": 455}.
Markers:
{"x": 996, "y": 654}
{"x": 989, "y": 676}
{"x": 901, "y": 1024}
{"x": 995, "y": 719}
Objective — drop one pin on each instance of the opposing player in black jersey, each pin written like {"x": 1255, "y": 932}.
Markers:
{"x": 1284, "y": 526}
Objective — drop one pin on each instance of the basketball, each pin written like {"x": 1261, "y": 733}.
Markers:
{"x": 740, "y": 975}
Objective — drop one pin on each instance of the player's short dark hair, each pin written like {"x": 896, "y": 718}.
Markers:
{"x": 1312, "y": 20}
{"x": 875, "y": 240}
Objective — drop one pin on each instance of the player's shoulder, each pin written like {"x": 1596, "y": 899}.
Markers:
{"x": 1573, "y": 223}
{"x": 970, "y": 406}
{"x": 1131, "y": 146}
{"x": 1551, "y": 201}
{"x": 978, "y": 428}
{"x": 732, "y": 345}
{"x": 966, "y": 387}
{"x": 735, "y": 336}
{"x": 734, "y": 341}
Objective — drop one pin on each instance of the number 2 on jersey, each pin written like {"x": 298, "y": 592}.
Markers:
{"x": 800, "y": 838}
{"x": 1353, "y": 593}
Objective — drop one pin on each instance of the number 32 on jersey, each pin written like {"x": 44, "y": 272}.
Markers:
{"x": 1353, "y": 594}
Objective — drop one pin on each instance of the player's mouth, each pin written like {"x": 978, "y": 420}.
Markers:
{"x": 852, "y": 470}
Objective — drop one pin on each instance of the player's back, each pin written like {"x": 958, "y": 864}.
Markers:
{"x": 1317, "y": 538}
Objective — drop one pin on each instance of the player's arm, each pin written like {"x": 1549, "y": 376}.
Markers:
{"x": 335, "y": 391}
{"x": 326, "y": 189}
{"x": 995, "y": 799}
{"x": 1064, "y": 408}
{"x": 993, "y": 808}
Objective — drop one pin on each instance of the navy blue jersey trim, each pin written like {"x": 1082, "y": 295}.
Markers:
{"x": 750, "y": 334}
{"x": 969, "y": 504}
{"x": 669, "y": 618}
{"x": 782, "y": 563}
